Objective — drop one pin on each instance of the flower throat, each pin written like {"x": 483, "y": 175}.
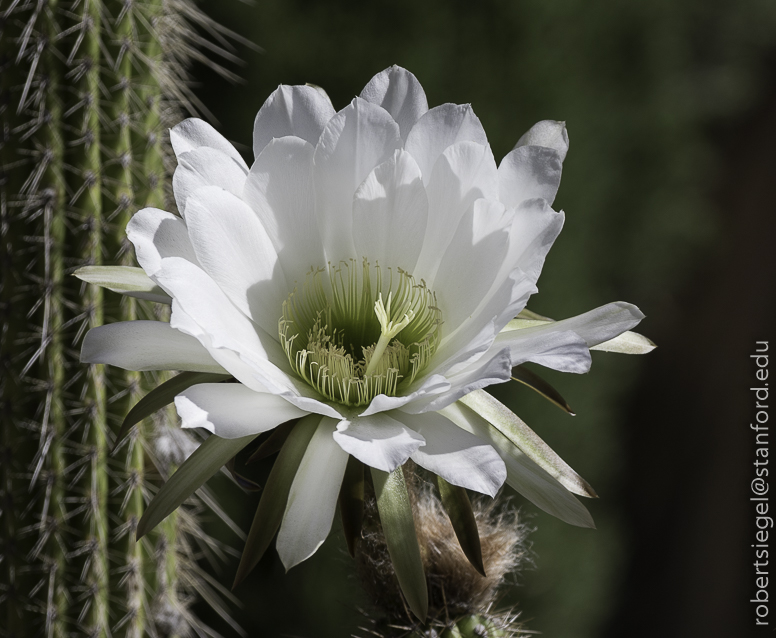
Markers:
{"x": 356, "y": 333}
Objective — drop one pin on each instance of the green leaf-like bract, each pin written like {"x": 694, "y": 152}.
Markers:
{"x": 395, "y": 509}
{"x": 529, "y": 378}
{"x": 512, "y": 427}
{"x": 456, "y": 502}
{"x": 126, "y": 280}
{"x": 351, "y": 502}
{"x": 273, "y": 501}
{"x": 206, "y": 460}
{"x": 163, "y": 395}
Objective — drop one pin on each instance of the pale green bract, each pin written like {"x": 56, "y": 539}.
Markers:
{"x": 365, "y": 271}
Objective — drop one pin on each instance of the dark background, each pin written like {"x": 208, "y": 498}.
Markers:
{"x": 669, "y": 191}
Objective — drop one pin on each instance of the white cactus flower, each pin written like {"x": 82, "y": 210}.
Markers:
{"x": 366, "y": 273}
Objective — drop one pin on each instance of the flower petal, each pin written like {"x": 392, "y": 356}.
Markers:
{"x": 157, "y": 234}
{"x": 206, "y": 304}
{"x": 389, "y": 213}
{"x": 429, "y": 385}
{"x": 379, "y": 440}
{"x": 523, "y": 474}
{"x": 146, "y": 345}
{"x": 194, "y": 133}
{"x": 456, "y": 455}
{"x": 461, "y": 284}
{"x": 528, "y": 172}
{"x": 595, "y": 326}
{"x": 279, "y": 188}
{"x": 205, "y": 166}
{"x": 464, "y": 172}
{"x": 533, "y": 228}
{"x": 219, "y": 325}
{"x": 439, "y": 128}
{"x": 312, "y": 500}
{"x": 486, "y": 371}
{"x": 398, "y": 92}
{"x": 301, "y": 111}
{"x": 354, "y": 142}
{"x": 549, "y": 133}
{"x": 234, "y": 249}
{"x": 228, "y": 359}
{"x": 231, "y": 410}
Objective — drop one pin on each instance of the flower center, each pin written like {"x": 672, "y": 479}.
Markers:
{"x": 356, "y": 333}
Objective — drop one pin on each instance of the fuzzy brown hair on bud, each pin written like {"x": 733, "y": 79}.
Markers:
{"x": 461, "y": 601}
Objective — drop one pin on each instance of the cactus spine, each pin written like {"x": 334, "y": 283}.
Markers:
{"x": 87, "y": 89}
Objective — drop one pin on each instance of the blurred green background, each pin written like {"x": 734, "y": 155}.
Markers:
{"x": 669, "y": 194}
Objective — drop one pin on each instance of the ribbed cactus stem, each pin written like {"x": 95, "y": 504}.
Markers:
{"x": 130, "y": 460}
{"x": 87, "y": 204}
{"x": 87, "y": 88}
{"x": 49, "y": 360}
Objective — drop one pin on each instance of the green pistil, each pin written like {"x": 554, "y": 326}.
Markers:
{"x": 348, "y": 344}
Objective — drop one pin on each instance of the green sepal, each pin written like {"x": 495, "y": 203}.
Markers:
{"x": 456, "y": 502}
{"x": 273, "y": 443}
{"x": 525, "y": 376}
{"x": 272, "y": 506}
{"x": 524, "y": 438}
{"x": 351, "y": 502}
{"x": 206, "y": 460}
{"x": 243, "y": 482}
{"x": 163, "y": 395}
{"x": 395, "y": 509}
{"x": 126, "y": 280}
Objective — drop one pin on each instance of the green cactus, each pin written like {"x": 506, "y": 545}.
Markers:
{"x": 87, "y": 90}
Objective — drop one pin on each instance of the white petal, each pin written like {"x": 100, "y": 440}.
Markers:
{"x": 234, "y": 249}
{"x": 205, "y": 166}
{"x": 146, "y": 345}
{"x": 549, "y": 133}
{"x": 523, "y": 474}
{"x": 280, "y": 190}
{"x": 389, "y": 213}
{"x": 211, "y": 317}
{"x": 398, "y": 92}
{"x": 562, "y": 350}
{"x": 486, "y": 371}
{"x": 464, "y": 172}
{"x": 595, "y": 326}
{"x": 301, "y": 111}
{"x": 439, "y": 128}
{"x": 157, "y": 234}
{"x": 475, "y": 335}
{"x": 207, "y": 305}
{"x": 529, "y": 172}
{"x": 468, "y": 269}
{"x": 456, "y": 455}
{"x": 378, "y": 440}
{"x": 429, "y": 385}
{"x": 355, "y": 141}
{"x": 312, "y": 499}
{"x": 228, "y": 359}
{"x": 534, "y": 226}
{"x": 194, "y": 133}
{"x": 231, "y": 411}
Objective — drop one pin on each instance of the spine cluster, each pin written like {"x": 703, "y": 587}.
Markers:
{"x": 87, "y": 91}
